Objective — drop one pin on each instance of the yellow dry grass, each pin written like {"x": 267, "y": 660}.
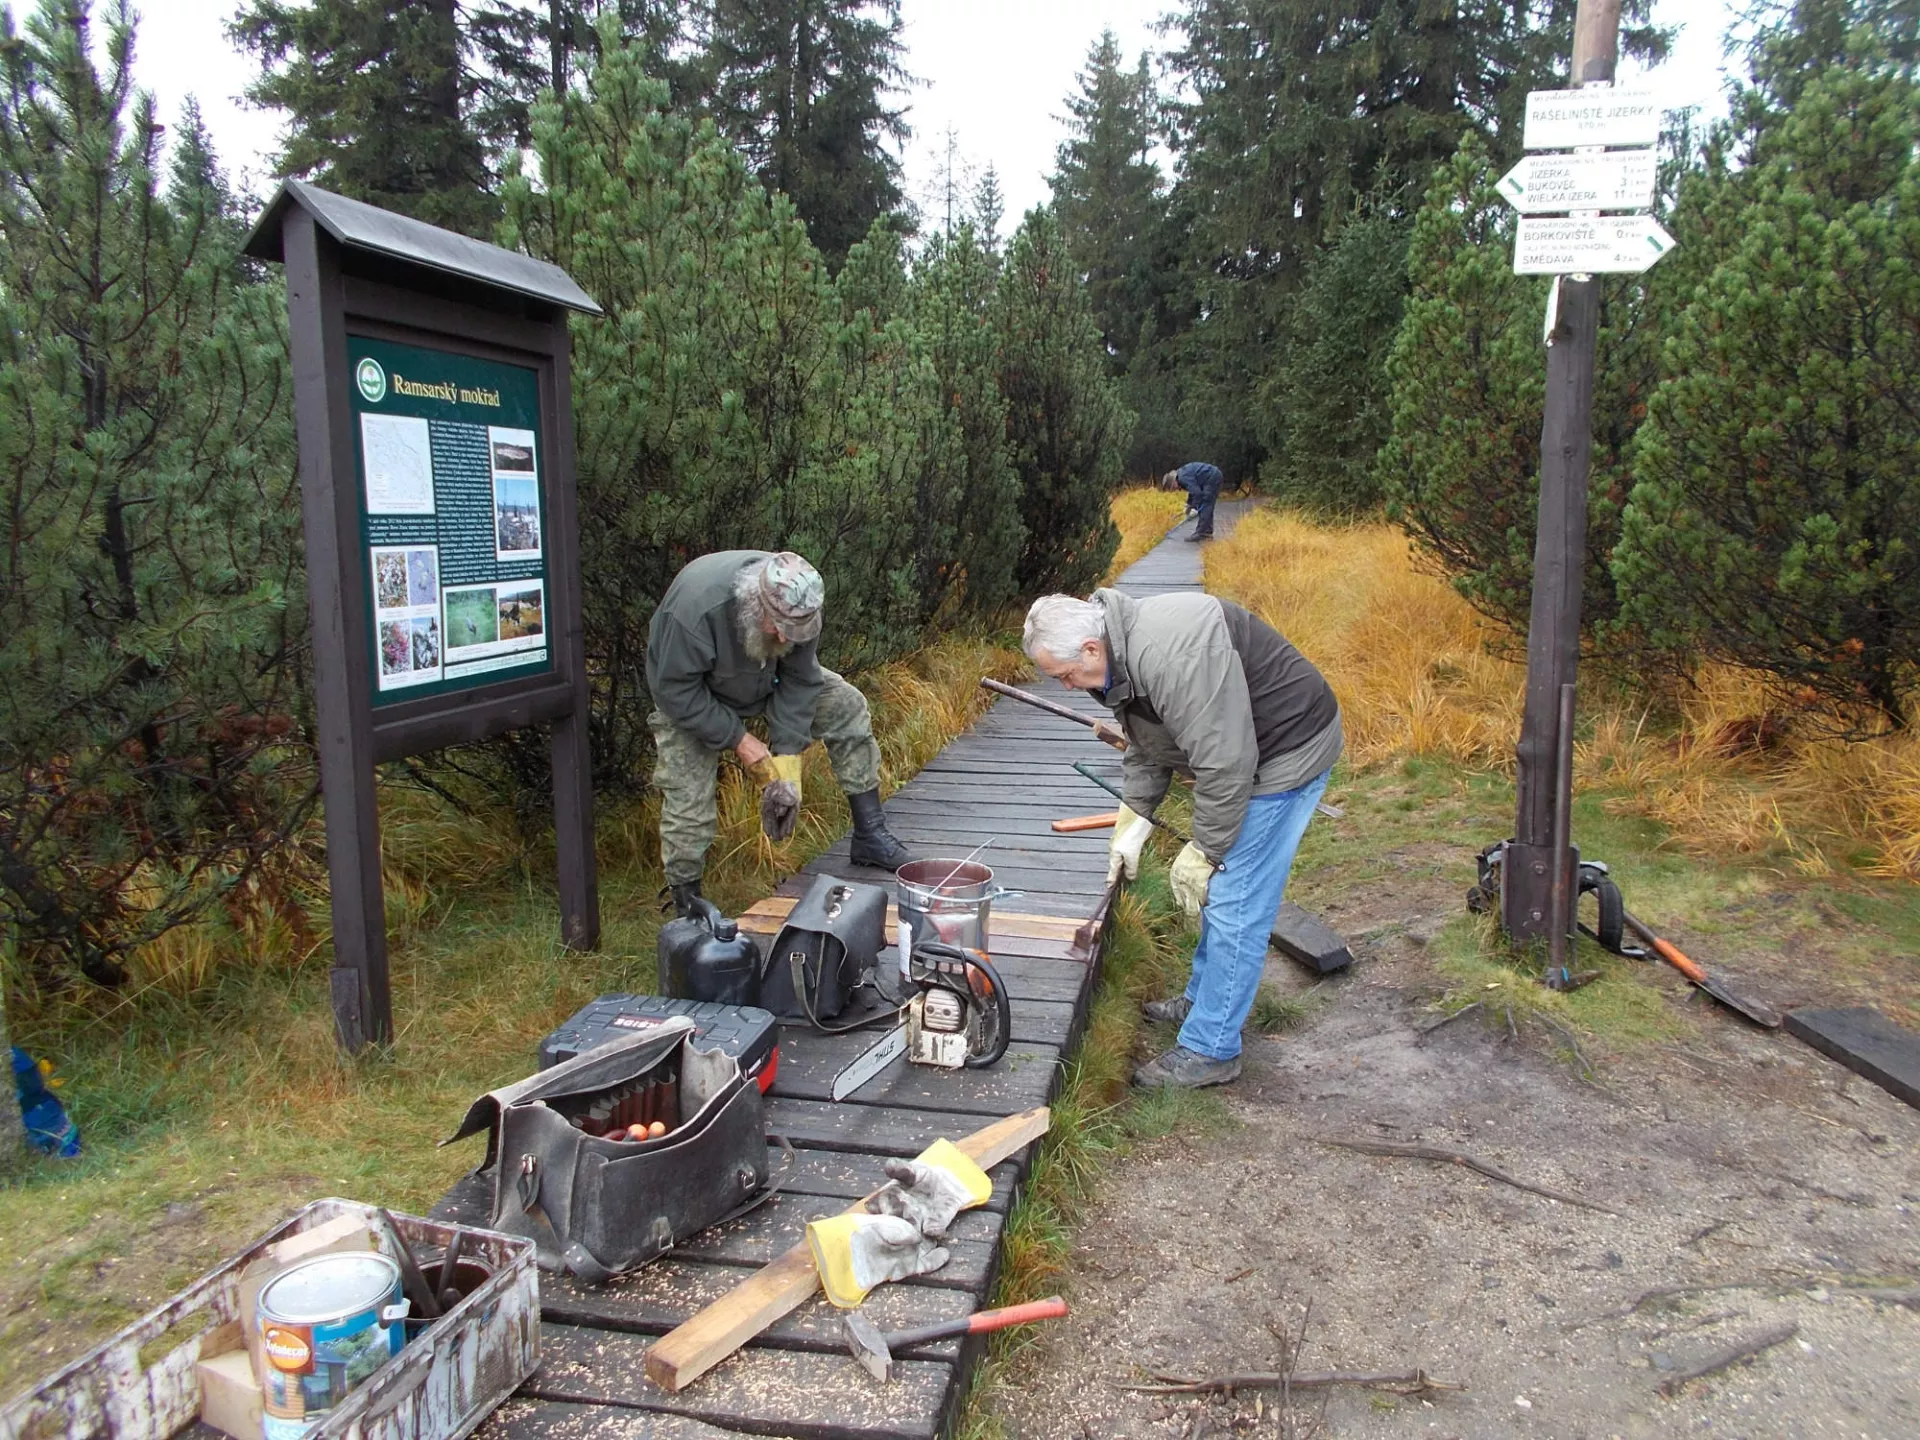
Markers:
{"x": 1415, "y": 669}
{"x": 1144, "y": 516}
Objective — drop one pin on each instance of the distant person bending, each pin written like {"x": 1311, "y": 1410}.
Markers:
{"x": 737, "y": 635}
{"x": 1204, "y": 689}
{"x": 1202, "y": 482}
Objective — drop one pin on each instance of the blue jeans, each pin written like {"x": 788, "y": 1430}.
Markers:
{"x": 1238, "y": 919}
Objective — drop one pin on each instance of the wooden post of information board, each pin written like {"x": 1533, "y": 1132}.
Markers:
{"x": 1560, "y": 546}
{"x": 433, "y": 404}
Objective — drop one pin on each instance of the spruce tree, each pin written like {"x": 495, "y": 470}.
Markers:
{"x": 1067, "y": 426}
{"x": 1775, "y": 516}
{"x": 150, "y": 583}
{"x": 394, "y": 104}
{"x": 1106, "y": 193}
{"x": 803, "y": 88}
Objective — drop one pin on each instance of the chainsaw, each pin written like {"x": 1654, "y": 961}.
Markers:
{"x": 956, "y": 1015}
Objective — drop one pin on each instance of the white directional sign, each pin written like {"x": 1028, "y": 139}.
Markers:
{"x": 1608, "y": 244}
{"x": 1555, "y": 184}
{"x": 1566, "y": 119}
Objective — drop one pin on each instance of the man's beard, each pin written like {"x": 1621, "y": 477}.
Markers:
{"x": 749, "y": 609}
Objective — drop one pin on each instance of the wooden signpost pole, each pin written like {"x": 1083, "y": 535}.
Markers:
{"x": 1559, "y": 555}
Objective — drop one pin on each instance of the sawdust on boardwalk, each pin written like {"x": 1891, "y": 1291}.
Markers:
{"x": 1745, "y": 1164}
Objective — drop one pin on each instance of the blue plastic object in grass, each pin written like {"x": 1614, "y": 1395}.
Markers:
{"x": 49, "y": 1128}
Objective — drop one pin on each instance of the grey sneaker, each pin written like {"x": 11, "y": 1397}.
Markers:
{"x": 1187, "y": 1069}
{"x": 1168, "y": 1012}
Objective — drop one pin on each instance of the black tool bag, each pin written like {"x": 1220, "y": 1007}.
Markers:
{"x": 824, "y": 953}
{"x": 598, "y": 1206}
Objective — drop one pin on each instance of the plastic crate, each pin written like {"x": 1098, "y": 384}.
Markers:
{"x": 141, "y": 1384}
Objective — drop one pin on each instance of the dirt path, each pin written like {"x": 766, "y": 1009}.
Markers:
{"x": 1743, "y": 1163}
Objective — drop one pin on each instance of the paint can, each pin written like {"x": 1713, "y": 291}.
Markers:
{"x": 326, "y": 1324}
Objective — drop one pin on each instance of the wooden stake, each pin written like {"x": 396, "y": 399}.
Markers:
{"x": 1074, "y": 824}
{"x": 687, "y": 1352}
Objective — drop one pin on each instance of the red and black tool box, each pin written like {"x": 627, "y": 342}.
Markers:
{"x": 751, "y": 1036}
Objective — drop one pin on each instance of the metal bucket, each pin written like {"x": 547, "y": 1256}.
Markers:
{"x": 945, "y": 900}
{"x": 326, "y": 1324}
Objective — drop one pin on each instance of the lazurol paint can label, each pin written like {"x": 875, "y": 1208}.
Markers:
{"x": 326, "y": 1324}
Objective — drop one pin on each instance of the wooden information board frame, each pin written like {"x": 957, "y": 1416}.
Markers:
{"x": 358, "y": 273}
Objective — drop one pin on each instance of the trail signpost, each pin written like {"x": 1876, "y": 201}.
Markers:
{"x": 1538, "y": 867}
{"x": 1557, "y": 184}
{"x": 434, "y": 413}
{"x": 1568, "y": 244}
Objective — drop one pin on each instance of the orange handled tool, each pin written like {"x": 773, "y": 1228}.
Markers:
{"x": 1073, "y": 824}
{"x": 875, "y": 1351}
{"x": 1754, "y": 1010}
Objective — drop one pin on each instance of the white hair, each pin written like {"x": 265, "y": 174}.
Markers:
{"x": 1061, "y": 624}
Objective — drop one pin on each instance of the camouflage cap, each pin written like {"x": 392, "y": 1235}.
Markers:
{"x": 794, "y": 593}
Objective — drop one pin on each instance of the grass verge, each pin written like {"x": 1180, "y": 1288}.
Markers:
{"x": 1094, "y": 1121}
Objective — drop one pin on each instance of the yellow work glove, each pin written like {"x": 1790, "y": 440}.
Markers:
{"x": 1130, "y": 833}
{"x": 1191, "y": 876}
{"x": 855, "y": 1252}
{"x": 779, "y": 795}
{"x": 932, "y": 1188}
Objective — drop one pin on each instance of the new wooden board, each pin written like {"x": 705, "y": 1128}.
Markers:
{"x": 1867, "y": 1043}
{"x": 776, "y": 908}
{"x": 770, "y": 1392}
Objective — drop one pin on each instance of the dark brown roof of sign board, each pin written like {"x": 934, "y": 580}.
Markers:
{"x": 360, "y": 226}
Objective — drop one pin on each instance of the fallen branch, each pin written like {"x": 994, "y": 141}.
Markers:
{"x": 1415, "y": 1382}
{"x": 1470, "y": 1162}
{"x": 1745, "y": 1350}
{"x": 1427, "y": 1030}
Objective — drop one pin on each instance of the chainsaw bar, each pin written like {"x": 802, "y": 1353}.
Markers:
{"x": 870, "y": 1062}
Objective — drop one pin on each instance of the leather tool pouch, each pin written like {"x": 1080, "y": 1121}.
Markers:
{"x": 595, "y": 1206}
{"x": 828, "y": 946}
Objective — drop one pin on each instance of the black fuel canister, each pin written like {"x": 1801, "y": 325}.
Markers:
{"x": 704, "y": 956}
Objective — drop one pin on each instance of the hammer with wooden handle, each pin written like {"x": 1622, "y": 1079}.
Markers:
{"x": 874, "y": 1351}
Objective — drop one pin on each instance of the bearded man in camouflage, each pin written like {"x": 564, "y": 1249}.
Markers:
{"x": 736, "y": 636}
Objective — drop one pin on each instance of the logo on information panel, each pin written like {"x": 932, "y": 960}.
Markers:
{"x": 371, "y": 379}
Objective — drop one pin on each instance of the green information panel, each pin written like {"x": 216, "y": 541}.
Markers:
{"x": 448, "y": 454}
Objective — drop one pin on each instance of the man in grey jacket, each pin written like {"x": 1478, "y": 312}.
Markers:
{"x": 1204, "y": 689}
{"x": 737, "y": 635}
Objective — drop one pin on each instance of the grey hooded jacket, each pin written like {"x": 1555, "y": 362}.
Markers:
{"x": 701, "y": 676}
{"x": 1205, "y": 689}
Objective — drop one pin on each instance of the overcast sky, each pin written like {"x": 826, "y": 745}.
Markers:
{"x": 994, "y": 72}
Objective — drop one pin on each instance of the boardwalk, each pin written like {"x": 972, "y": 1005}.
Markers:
{"x": 1001, "y": 785}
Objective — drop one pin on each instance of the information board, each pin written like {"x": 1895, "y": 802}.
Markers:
{"x": 448, "y": 455}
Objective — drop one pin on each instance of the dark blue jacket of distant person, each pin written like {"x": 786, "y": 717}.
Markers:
{"x": 1202, "y": 483}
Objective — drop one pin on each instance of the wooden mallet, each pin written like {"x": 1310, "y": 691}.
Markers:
{"x": 874, "y": 1351}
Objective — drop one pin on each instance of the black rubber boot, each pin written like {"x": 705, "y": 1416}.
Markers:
{"x": 683, "y": 898}
{"x": 873, "y": 844}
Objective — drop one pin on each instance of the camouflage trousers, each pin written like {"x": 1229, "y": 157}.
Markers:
{"x": 686, "y": 772}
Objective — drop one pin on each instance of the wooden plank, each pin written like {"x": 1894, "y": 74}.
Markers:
{"x": 1867, "y": 1043}
{"x": 654, "y": 1300}
{"x": 770, "y": 1392}
{"x": 1026, "y": 1075}
{"x": 1302, "y": 936}
{"x": 863, "y": 1129}
{"x": 1081, "y": 881}
{"x": 521, "y": 1419}
{"x": 776, "y": 908}
{"x": 933, "y": 844}
{"x": 759, "y": 1238}
{"x": 694, "y": 1348}
{"x": 852, "y": 1177}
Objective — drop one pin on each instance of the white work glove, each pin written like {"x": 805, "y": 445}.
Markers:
{"x": 1130, "y": 833}
{"x": 932, "y": 1188}
{"x": 854, "y": 1253}
{"x": 1191, "y": 876}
